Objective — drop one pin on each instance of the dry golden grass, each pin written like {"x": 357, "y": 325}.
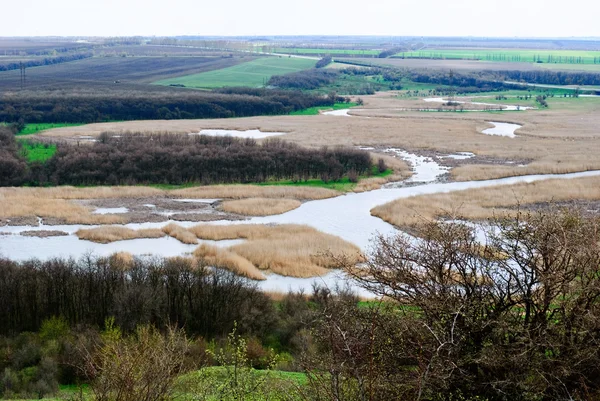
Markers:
{"x": 232, "y": 231}
{"x": 254, "y": 191}
{"x": 57, "y": 202}
{"x": 24, "y": 206}
{"x": 180, "y": 233}
{"x": 483, "y": 203}
{"x": 260, "y": 206}
{"x": 226, "y": 259}
{"x": 122, "y": 259}
{"x": 108, "y": 234}
{"x": 288, "y": 250}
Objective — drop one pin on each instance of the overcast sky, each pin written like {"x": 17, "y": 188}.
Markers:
{"x": 509, "y": 18}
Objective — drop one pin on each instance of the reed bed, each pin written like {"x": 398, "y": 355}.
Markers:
{"x": 226, "y": 259}
{"x": 255, "y": 191}
{"x": 25, "y": 206}
{"x": 104, "y": 235}
{"x": 180, "y": 233}
{"x": 289, "y": 249}
{"x": 260, "y": 206}
{"x": 484, "y": 203}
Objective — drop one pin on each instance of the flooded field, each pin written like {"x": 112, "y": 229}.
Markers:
{"x": 502, "y": 129}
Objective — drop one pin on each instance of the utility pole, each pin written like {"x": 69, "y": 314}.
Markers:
{"x": 23, "y": 76}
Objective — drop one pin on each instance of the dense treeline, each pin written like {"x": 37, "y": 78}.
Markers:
{"x": 45, "y": 61}
{"x": 324, "y": 62}
{"x": 13, "y": 168}
{"x": 553, "y": 77}
{"x": 173, "y": 159}
{"x": 308, "y": 79}
{"x": 161, "y": 292}
{"x": 391, "y": 52}
{"x": 91, "y": 106}
{"x": 467, "y": 82}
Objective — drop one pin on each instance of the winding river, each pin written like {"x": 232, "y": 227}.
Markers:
{"x": 347, "y": 216}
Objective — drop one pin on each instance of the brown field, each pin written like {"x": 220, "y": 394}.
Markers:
{"x": 260, "y": 206}
{"x": 560, "y": 139}
{"x": 107, "y": 234}
{"x": 484, "y": 203}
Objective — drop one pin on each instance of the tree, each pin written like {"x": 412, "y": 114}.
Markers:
{"x": 514, "y": 318}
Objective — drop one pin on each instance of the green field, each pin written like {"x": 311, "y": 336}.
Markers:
{"x": 37, "y": 152}
{"x": 317, "y": 51}
{"x": 35, "y": 128}
{"x": 574, "y": 57}
{"x": 253, "y": 73}
{"x": 313, "y": 111}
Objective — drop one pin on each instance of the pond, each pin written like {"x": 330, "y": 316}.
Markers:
{"x": 502, "y": 129}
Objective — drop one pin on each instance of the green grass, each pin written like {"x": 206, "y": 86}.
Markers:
{"x": 323, "y": 51}
{"x": 31, "y": 129}
{"x": 570, "y": 57}
{"x": 253, "y": 73}
{"x": 37, "y": 152}
{"x": 342, "y": 185}
{"x": 313, "y": 111}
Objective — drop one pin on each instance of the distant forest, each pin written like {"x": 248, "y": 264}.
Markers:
{"x": 177, "y": 159}
{"x": 15, "y": 65}
{"x": 90, "y": 106}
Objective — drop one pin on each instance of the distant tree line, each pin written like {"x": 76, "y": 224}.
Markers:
{"x": 324, "y": 62}
{"x": 91, "y": 106}
{"x": 553, "y": 77}
{"x": 44, "y": 61}
{"x": 390, "y": 52}
{"x": 172, "y": 159}
{"x": 306, "y": 80}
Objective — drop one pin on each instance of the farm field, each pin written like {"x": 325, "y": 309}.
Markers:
{"x": 113, "y": 71}
{"x": 253, "y": 73}
{"x": 468, "y": 65}
{"x": 509, "y": 55}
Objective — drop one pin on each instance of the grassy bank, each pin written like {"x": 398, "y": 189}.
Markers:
{"x": 313, "y": 111}
{"x": 31, "y": 129}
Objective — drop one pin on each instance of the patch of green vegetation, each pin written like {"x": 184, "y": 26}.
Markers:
{"x": 254, "y": 73}
{"x": 37, "y": 152}
{"x": 313, "y": 111}
{"x": 342, "y": 185}
{"x": 35, "y": 128}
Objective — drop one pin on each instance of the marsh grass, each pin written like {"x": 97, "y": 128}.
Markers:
{"x": 288, "y": 249}
{"x": 104, "y": 235}
{"x": 225, "y": 259}
{"x": 180, "y": 233}
{"x": 260, "y": 206}
{"x": 484, "y": 203}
